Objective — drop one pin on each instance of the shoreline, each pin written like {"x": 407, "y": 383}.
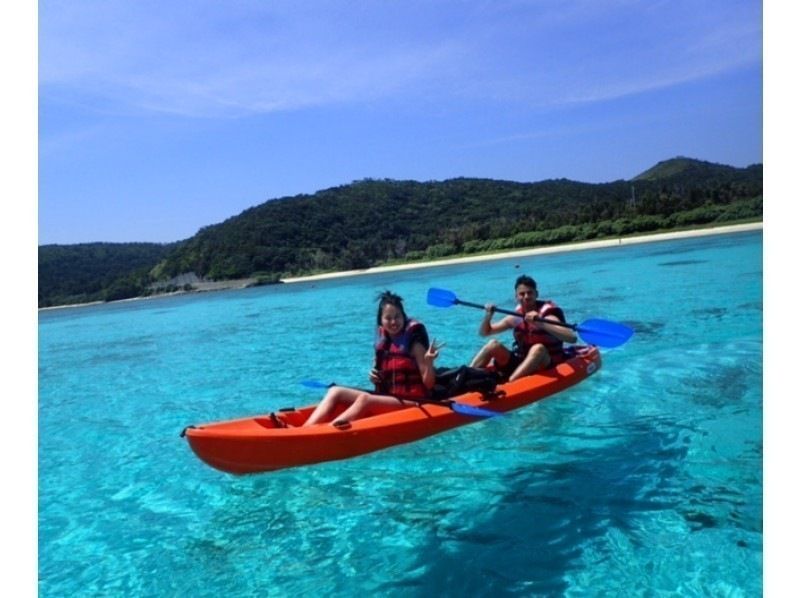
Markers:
{"x": 584, "y": 245}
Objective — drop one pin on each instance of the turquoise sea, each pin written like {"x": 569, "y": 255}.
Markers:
{"x": 644, "y": 480}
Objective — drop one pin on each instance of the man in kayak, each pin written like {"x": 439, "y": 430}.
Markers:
{"x": 403, "y": 372}
{"x": 538, "y": 344}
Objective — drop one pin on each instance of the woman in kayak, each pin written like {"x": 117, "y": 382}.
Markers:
{"x": 403, "y": 368}
{"x": 538, "y": 343}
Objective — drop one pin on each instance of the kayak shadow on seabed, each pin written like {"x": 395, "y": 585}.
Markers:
{"x": 536, "y": 534}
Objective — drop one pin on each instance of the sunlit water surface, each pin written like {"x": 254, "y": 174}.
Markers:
{"x": 645, "y": 479}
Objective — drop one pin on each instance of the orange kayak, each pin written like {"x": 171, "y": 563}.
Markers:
{"x": 277, "y": 440}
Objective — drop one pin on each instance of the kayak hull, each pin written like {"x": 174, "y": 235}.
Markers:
{"x": 278, "y": 440}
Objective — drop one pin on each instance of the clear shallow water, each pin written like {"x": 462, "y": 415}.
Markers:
{"x": 645, "y": 479}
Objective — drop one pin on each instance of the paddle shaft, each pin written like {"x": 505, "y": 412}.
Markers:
{"x": 453, "y": 405}
{"x": 514, "y": 313}
{"x": 597, "y": 332}
{"x": 444, "y": 402}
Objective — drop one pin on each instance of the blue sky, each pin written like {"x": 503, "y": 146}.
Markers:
{"x": 158, "y": 118}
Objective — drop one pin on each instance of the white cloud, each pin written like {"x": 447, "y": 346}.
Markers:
{"x": 199, "y": 58}
{"x": 222, "y": 64}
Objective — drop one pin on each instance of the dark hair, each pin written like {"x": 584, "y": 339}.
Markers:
{"x": 526, "y": 280}
{"x": 388, "y": 298}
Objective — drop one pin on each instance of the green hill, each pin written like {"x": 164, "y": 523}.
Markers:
{"x": 96, "y": 271}
{"x": 373, "y": 222}
{"x": 686, "y": 168}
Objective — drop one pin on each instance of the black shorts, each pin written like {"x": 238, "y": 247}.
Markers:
{"x": 516, "y": 358}
{"x": 506, "y": 370}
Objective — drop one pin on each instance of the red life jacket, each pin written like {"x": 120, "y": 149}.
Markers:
{"x": 527, "y": 335}
{"x": 400, "y": 374}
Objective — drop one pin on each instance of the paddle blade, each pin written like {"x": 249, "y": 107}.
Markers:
{"x": 473, "y": 411}
{"x": 604, "y": 333}
{"x": 315, "y": 384}
{"x": 441, "y": 298}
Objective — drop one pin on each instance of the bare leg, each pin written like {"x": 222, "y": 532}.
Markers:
{"x": 537, "y": 358}
{"x": 358, "y": 400}
{"x": 494, "y": 349}
{"x": 335, "y": 395}
{"x": 354, "y": 410}
{"x": 364, "y": 401}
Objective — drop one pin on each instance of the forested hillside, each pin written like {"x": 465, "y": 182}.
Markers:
{"x": 377, "y": 221}
{"x": 96, "y": 271}
{"x": 374, "y": 222}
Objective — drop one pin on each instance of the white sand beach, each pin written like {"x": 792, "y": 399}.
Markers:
{"x": 223, "y": 285}
{"x": 736, "y": 228}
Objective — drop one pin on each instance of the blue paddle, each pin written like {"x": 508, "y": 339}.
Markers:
{"x": 602, "y": 333}
{"x": 457, "y": 407}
